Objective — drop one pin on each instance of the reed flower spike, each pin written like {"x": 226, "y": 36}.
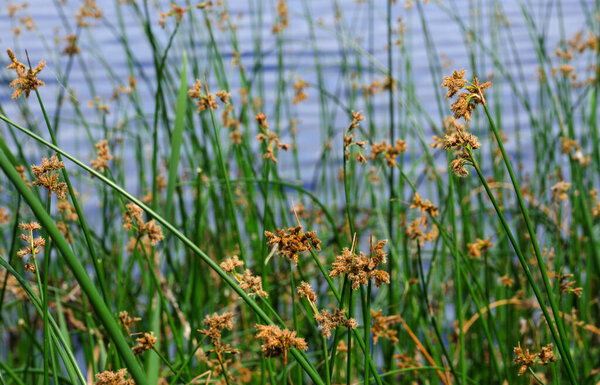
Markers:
{"x": 46, "y": 175}
{"x": 466, "y": 101}
{"x": 113, "y": 378}
{"x": 34, "y": 245}
{"x": 277, "y": 341}
{"x": 26, "y": 80}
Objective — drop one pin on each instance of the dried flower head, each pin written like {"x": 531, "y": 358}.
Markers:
{"x": 176, "y": 11}
{"x": 269, "y": 138}
{"x": 277, "y": 341}
{"x": 88, "y": 10}
{"x": 559, "y": 191}
{"x": 390, "y": 152}
{"x": 214, "y": 326}
{"x": 292, "y": 242}
{"x": 282, "y": 17}
{"x": 204, "y": 99}
{"x": 328, "y": 321}
{"x": 466, "y": 101}
{"x": 459, "y": 140}
{"x": 111, "y": 378}
{"x": 418, "y": 228}
{"x": 381, "y": 326}
{"x": 251, "y": 284}
{"x": 359, "y": 268}
{"x": 101, "y": 162}
{"x": 33, "y": 247}
{"x": 424, "y": 206}
{"x": 231, "y": 263}
{"x": 127, "y": 320}
{"x": 506, "y": 280}
{"x": 146, "y": 342}
{"x": 478, "y": 247}
{"x": 71, "y": 48}
{"x": 46, "y": 175}
{"x": 299, "y": 87}
{"x": 349, "y": 138}
{"x": 568, "y": 286}
{"x": 305, "y": 290}
{"x": 455, "y": 82}
{"x": 4, "y": 215}
{"x": 523, "y": 358}
{"x": 224, "y": 96}
{"x": 26, "y": 80}
{"x": 150, "y": 228}
{"x": 547, "y": 355}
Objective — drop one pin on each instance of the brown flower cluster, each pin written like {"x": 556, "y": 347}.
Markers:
{"x": 527, "y": 360}
{"x": 293, "y": 241}
{"x": 248, "y": 282}
{"x": 101, "y": 162}
{"x": 455, "y": 82}
{"x": 71, "y": 48}
{"x": 111, "y": 378}
{"x": 390, "y": 152}
{"x": 299, "y": 87}
{"x": 595, "y": 202}
{"x": 127, "y": 321}
{"x": 268, "y": 137}
{"x": 231, "y": 263}
{"x": 419, "y": 228}
{"x": 571, "y": 147}
{"x": 359, "y": 268}
{"x": 466, "y": 101}
{"x": 21, "y": 171}
{"x": 206, "y": 100}
{"x": 4, "y": 215}
{"x": 568, "y": 286}
{"x": 283, "y": 20}
{"x": 277, "y": 341}
{"x": 575, "y": 49}
{"x": 478, "y": 247}
{"x": 34, "y": 245}
{"x": 88, "y": 10}
{"x": 349, "y": 138}
{"x": 424, "y": 206}
{"x": 459, "y": 140}
{"x": 324, "y": 318}
{"x": 99, "y": 105}
{"x": 559, "y": 190}
{"x": 151, "y": 229}
{"x": 214, "y": 327}
{"x": 46, "y": 176}
{"x": 146, "y": 342}
{"x": 506, "y": 280}
{"x": 305, "y": 290}
{"x": 328, "y": 321}
{"x": 176, "y": 11}
{"x": 67, "y": 210}
{"x": 26, "y": 80}
{"x": 381, "y": 326}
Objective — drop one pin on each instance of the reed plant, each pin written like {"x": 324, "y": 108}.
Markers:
{"x": 258, "y": 194}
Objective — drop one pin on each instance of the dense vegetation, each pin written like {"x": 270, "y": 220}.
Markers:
{"x": 214, "y": 220}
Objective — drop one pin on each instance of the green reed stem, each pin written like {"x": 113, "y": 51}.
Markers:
{"x": 308, "y": 367}
{"x": 77, "y": 269}
{"x": 525, "y": 267}
{"x": 534, "y": 241}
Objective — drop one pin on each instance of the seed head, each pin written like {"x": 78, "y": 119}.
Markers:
{"x": 277, "y": 341}
{"x": 111, "y": 378}
{"x": 46, "y": 176}
{"x": 26, "y": 80}
{"x": 144, "y": 343}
